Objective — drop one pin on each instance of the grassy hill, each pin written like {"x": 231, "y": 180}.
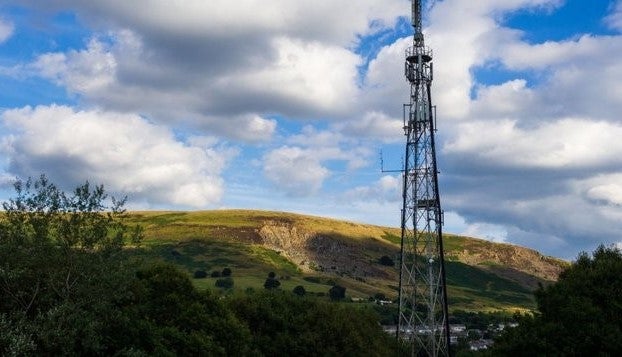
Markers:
{"x": 319, "y": 252}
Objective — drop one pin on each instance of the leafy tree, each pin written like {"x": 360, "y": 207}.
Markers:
{"x": 386, "y": 260}
{"x": 337, "y": 292}
{"x": 284, "y": 324}
{"x": 200, "y": 274}
{"x": 271, "y": 282}
{"x": 215, "y": 274}
{"x": 225, "y": 283}
{"x": 67, "y": 288}
{"x": 579, "y": 315}
{"x": 51, "y": 242}
{"x": 226, "y": 272}
{"x": 300, "y": 290}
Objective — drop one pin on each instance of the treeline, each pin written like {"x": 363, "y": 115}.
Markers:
{"x": 69, "y": 287}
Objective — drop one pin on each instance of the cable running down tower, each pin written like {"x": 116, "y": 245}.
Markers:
{"x": 423, "y": 316}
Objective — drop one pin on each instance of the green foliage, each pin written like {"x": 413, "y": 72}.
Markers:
{"x": 271, "y": 282}
{"x": 337, "y": 292}
{"x": 200, "y": 274}
{"x": 579, "y": 315}
{"x": 299, "y": 290}
{"x": 386, "y": 261}
{"x": 41, "y": 214}
{"x": 283, "y": 324}
{"x": 215, "y": 274}
{"x": 226, "y": 272}
{"x": 67, "y": 288}
{"x": 224, "y": 283}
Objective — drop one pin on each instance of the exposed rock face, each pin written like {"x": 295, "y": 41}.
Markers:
{"x": 321, "y": 252}
{"x": 286, "y": 238}
{"x": 525, "y": 266}
{"x": 330, "y": 252}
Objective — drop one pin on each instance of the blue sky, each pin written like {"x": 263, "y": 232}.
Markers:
{"x": 285, "y": 105}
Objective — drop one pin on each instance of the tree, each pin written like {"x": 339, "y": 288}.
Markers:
{"x": 226, "y": 272}
{"x": 225, "y": 283}
{"x": 67, "y": 288}
{"x": 51, "y": 242}
{"x": 578, "y": 315}
{"x": 284, "y": 324}
{"x": 299, "y": 290}
{"x": 200, "y": 274}
{"x": 386, "y": 260}
{"x": 271, "y": 282}
{"x": 337, "y": 292}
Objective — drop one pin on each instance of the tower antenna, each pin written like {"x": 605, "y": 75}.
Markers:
{"x": 423, "y": 314}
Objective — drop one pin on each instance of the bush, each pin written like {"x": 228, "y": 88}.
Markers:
{"x": 225, "y": 283}
{"x": 386, "y": 261}
{"x": 284, "y": 324}
{"x": 337, "y": 292}
{"x": 200, "y": 274}
{"x": 299, "y": 290}
{"x": 578, "y": 315}
{"x": 215, "y": 274}
{"x": 226, "y": 272}
{"x": 271, "y": 283}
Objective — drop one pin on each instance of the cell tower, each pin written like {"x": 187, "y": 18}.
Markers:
{"x": 423, "y": 321}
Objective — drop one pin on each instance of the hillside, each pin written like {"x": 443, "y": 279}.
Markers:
{"x": 318, "y": 252}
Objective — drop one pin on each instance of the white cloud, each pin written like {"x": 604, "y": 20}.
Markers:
{"x": 124, "y": 152}
{"x": 386, "y": 189}
{"x": 564, "y": 144}
{"x": 86, "y": 71}
{"x": 605, "y": 188}
{"x": 374, "y": 125}
{"x": 295, "y": 171}
{"x": 614, "y": 20}
{"x": 221, "y": 60}
{"x": 334, "y": 21}
{"x": 6, "y": 30}
{"x": 309, "y": 74}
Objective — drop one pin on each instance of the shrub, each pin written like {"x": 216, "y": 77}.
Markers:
{"x": 226, "y": 272}
{"x": 386, "y": 261}
{"x": 271, "y": 283}
{"x": 215, "y": 274}
{"x": 299, "y": 290}
{"x": 225, "y": 283}
{"x": 200, "y": 274}
{"x": 337, "y": 292}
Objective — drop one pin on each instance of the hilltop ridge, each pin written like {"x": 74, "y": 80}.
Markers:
{"x": 480, "y": 274}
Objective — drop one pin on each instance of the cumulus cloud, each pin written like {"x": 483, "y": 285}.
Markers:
{"x": 386, "y": 189}
{"x": 297, "y": 171}
{"x": 376, "y": 125}
{"x": 614, "y": 20}
{"x": 564, "y": 144}
{"x": 124, "y": 152}
{"x": 6, "y": 30}
{"x": 85, "y": 71}
{"x": 272, "y": 58}
{"x": 301, "y": 167}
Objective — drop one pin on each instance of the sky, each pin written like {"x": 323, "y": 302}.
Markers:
{"x": 289, "y": 105}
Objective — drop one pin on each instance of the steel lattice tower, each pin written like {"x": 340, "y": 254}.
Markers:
{"x": 423, "y": 319}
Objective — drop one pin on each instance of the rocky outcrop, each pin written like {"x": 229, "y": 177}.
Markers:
{"x": 316, "y": 251}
